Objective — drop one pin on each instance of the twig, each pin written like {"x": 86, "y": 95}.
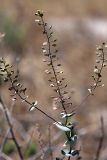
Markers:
{"x": 17, "y": 92}
{"x": 97, "y": 74}
{"x": 50, "y": 145}
{"x": 4, "y": 157}
{"x": 11, "y": 129}
{"x": 4, "y": 140}
{"x": 1, "y": 136}
{"x": 7, "y": 133}
{"x": 101, "y": 139}
{"x": 48, "y": 37}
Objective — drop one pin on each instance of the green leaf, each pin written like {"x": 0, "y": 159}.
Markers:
{"x": 9, "y": 147}
{"x": 30, "y": 150}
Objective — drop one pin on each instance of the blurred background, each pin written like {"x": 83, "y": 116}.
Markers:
{"x": 79, "y": 26}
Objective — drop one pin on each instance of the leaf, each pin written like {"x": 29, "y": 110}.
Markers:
{"x": 62, "y": 127}
{"x": 67, "y": 115}
{"x": 30, "y": 150}
{"x": 75, "y": 152}
{"x": 70, "y": 154}
{"x": 9, "y": 147}
{"x": 62, "y": 152}
{"x": 65, "y": 151}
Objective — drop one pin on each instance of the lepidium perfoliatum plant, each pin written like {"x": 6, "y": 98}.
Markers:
{"x": 57, "y": 82}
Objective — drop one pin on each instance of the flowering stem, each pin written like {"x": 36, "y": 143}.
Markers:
{"x": 52, "y": 65}
{"x": 97, "y": 79}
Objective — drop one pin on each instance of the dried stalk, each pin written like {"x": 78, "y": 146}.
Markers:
{"x": 11, "y": 129}
{"x": 101, "y": 140}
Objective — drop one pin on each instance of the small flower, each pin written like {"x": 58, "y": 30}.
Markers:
{"x": 44, "y": 60}
{"x": 95, "y": 84}
{"x": 65, "y": 144}
{"x": 27, "y": 96}
{"x": 56, "y": 99}
{"x": 99, "y": 54}
{"x": 44, "y": 51}
{"x": 47, "y": 71}
{"x": 102, "y": 85}
{"x": 40, "y": 13}
{"x": 37, "y": 20}
{"x": 90, "y": 91}
{"x": 23, "y": 100}
{"x": 33, "y": 106}
{"x": 54, "y": 108}
{"x": 64, "y": 115}
{"x": 45, "y": 43}
{"x": 14, "y": 99}
{"x": 99, "y": 48}
{"x": 52, "y": 85}
{"x": 61, "y": 72}
{"x": 18, "y": 84}
{"x": 104, "y": 64}
{"x": 58, "y": 82}
{"x": 97, "y": 61}
{"x": 96, "y": 70}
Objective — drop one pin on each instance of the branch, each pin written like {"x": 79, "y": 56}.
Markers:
{"x": 97, "y": 75}
{"x": 57, "y": 82}
{"x": 11, "y": 129}
{"x": 4, "y": 139}
{"x": 50, "y": 143}
{"x": 101, "y": 139}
